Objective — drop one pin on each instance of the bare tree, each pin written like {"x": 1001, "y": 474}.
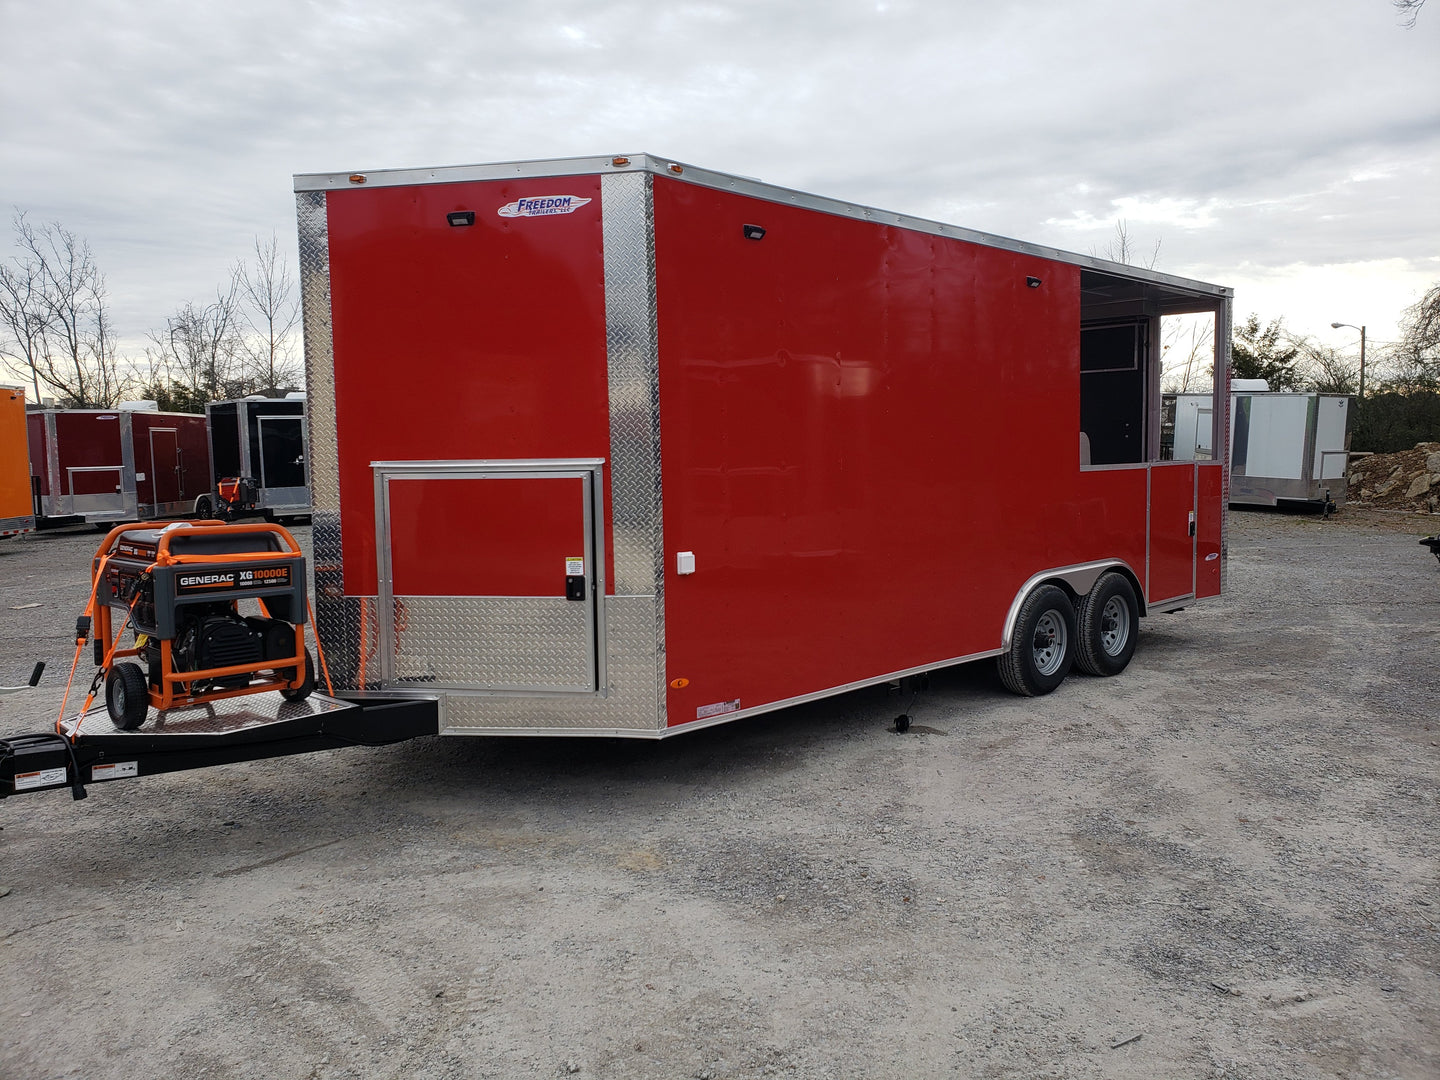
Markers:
{"x": 1121, "y": 249}
{"x": 1409, "y": 11}
{"x": 199, "y": 350}
{"x": 1416, "y": 356}
{"x": 53, "y": 302}
{"x": 270, "y": 312}
{"x": 1188, "y": 353}
{"x": 23, "y": 312}
{"x": 1323, "y": 368}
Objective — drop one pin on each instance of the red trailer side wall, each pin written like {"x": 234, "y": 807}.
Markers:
{"x": 484, "y": 341}
{"x": 194, "y": 475}
{"x": 870, "y": 441}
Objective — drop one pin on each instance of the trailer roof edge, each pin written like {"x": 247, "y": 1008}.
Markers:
{"x": 694, "y": 174}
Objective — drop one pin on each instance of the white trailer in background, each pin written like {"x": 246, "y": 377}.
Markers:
{"x": 1284, "y": 447}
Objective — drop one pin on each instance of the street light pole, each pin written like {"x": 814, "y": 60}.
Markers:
{"x": 1352, "y": 326}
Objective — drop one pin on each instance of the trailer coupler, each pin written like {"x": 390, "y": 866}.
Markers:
{"x": 53, "y": 760}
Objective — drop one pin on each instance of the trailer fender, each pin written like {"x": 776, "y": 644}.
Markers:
{"x": 1076, "y": 580}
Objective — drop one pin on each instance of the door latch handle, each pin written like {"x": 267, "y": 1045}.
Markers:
{"x": 1192, "y": 522}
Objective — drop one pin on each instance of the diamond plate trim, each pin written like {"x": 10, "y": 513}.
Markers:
{"x": 634, "y": 393}
{"x": 493, "y": 643}
{"x": 338, "y": 618}
{"x": 630, "y": 631}
{"x": 628, "y": 221}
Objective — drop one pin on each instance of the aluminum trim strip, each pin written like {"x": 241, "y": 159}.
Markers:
{"x": 693, "y": 174}
{"x": 341, "y": 621}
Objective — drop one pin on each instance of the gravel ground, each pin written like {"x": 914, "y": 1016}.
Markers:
{"x": 1222, "y": 863}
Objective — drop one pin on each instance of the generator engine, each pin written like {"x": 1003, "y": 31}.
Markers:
{"x": 214, "y": 636}
{"x": 181, "y": 586}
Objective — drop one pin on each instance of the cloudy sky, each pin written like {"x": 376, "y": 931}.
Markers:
{"x": 1289, "y": 149}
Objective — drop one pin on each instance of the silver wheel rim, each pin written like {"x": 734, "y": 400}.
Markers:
{"x": 118, "y": 695}
{"x": 1114, "y": 626}
{"x": 1047, "y": 648}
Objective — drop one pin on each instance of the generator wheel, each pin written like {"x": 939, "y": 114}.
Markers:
{"x": 1042, "y": 647}
{"x": 301, "y": 692}
{"x": 1108, "y": 623}
{"x": 204, "y": 507}
{"x": 127, "y": 697}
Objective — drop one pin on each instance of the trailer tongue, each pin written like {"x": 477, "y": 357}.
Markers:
{"x": 87, "y": 749}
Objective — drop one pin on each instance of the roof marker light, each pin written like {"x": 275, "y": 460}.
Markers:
{"x": 620, "y": 162}
{"x": 358, "y": 178}
{"x": 676, "y": 169}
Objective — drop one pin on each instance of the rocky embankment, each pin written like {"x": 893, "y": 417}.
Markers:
{"x": 1405, "y": 480}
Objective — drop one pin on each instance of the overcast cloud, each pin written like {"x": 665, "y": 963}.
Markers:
{"x": 1291, "y": 150}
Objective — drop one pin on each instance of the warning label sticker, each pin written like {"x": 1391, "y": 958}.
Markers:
{"x": 720, "y": 708}
{"x": 574, "y": 567}
{"x": 27, "y": 781}
{"x": 115, "y": 770}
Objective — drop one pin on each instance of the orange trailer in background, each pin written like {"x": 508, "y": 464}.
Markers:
{"x": 17, "y": 505}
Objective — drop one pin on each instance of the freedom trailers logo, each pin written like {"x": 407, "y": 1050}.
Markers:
{"x": 542, "y": 206}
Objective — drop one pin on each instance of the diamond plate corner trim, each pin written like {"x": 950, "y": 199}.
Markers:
{"x": 339, "y": 619}
{"x": 630, "y": 344}
{"x": 628, "y": 223}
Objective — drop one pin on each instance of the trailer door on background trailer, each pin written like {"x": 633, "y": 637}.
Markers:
{"x": 1331, "y": 455}
{"x": 282, "y": 451}
{"x": 164, "y": 464}
{"x": 489, "y": 571}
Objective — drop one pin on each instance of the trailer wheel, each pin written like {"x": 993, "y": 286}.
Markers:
{"x": 1108, "y": 622}
{"x": 127, "y": 697}
{"x": 1042, "y": 647}
{"x": 301, "y": 692}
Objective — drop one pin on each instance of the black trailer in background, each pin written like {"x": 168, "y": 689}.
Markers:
{"x": 260, "y": 439}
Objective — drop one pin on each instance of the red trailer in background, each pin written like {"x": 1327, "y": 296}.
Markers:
{"x": 696, "y": 447}
{"x": 124, "y": 464}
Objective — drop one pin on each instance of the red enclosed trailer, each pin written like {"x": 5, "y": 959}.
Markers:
{"x": 695, "y": 447}
{"x": 123, "y": 464}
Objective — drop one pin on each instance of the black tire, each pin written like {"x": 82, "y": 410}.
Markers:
{"x": 204, "y": 507}
{"x": 305, "y": 688}
{"x": 127, "y": 696}
{"x": 1108, "y": 624}
{"x": 1042, "y": 648}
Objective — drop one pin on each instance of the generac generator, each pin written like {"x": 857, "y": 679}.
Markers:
{"x": 180, "y": 588}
